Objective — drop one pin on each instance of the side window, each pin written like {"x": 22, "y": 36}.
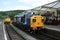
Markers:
{"x": 22, "y": 19}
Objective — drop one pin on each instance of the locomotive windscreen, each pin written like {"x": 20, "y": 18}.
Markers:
{"x": 34, "y": 20}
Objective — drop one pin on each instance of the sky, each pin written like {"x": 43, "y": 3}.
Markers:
{"x": 6, "y": 5}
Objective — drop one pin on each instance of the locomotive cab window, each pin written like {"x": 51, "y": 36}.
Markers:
{"x": 34, "y": 20}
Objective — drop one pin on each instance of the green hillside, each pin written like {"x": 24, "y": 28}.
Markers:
{"x": 11, "y": 14}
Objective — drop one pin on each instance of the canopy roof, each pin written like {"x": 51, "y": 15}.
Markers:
{"x": 55, "y": 4}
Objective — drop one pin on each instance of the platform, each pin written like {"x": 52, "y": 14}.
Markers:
{"x": 23, "y": 34}
{"x": 1, "y": 31}
{"x": 53, "y": 27}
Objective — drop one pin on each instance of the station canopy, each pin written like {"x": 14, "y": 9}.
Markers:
{"x": 58, "y": 0}
{"x": 55, "y": 4}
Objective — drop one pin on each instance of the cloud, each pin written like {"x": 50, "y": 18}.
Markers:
{"x": 23, "y": 4}
{"x": 35, "y": 3}
{"x": 5, "y": 3}
{"x": 23, "y": 7}
{"x": 24, "y": 1}
{"x": 0, "y": 10}
{"x": 40, "y": 3}
{"x": 17, "y": 8}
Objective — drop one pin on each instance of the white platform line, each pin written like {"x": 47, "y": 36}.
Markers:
{"x": 53, "y": 29}
{"x": 5, "y": 36}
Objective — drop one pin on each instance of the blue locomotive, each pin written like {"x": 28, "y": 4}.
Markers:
{"x": 29, "y": 21}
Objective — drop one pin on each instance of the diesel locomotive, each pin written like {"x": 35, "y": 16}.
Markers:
{"x": 7, "y": 20}
{"x": 29, "y": 21}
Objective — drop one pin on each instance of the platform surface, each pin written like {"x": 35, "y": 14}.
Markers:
{"x": 1, "y": 31}
{"x": 53, "y": 27}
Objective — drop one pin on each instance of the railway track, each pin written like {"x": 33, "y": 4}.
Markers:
{"x": 46, "y": 34}
{"x": 13, "y": 35}
{"x": 43, "y": 36}
{"x": 52, "y": 33}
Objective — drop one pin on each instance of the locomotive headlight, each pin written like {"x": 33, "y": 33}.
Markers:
{"x": 34, "y": 20}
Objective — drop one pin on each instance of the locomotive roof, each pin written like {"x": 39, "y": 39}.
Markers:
{"x": 27, "y": 13}
{"x": 19, "y": 15}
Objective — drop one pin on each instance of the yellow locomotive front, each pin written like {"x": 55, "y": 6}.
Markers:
{"x": 37, "y": 22}
{"x": 7, "y": 20}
